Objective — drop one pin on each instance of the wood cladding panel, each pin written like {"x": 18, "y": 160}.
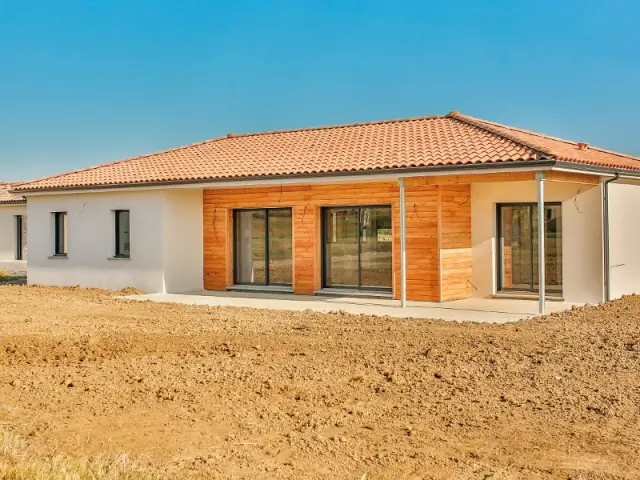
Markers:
{"x": 438, "y": 231}
{"x": 455, "y": 242}
{"x": 421, "y": 202}
{"x": 306, "y": 202}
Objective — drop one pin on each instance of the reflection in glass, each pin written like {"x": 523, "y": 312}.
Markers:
{"x": 519, "y": 247}
{"x": 341, "y": 247}
{"x": 375, "y": 247}
{"x": 250, "y": 247}
{"x": 358, "y": 247}
{"x": 280, "y": 247}
{"x": 123, "y": 242}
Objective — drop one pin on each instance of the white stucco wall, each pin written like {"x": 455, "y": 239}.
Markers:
{"x": 8, "y": 237}
{"x": 183, "y": 241}
{"x": 91, "y": 241}
{"x": 624, "y": 236}
{"x": 581, "y": 234}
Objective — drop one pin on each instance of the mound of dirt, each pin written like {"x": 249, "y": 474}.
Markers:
{"x": 131, "y": 291}
{"x": 224, "y": 392}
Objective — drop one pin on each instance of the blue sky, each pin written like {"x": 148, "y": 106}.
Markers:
{"x": 86, "y": 82}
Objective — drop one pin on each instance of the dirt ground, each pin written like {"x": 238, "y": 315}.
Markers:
{"x": 239, "y": 393}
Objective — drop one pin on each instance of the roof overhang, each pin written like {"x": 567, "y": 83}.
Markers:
{"x": 360, "y": 176}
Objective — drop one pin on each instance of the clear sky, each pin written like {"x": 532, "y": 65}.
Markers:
{"x": 86, "y": 82}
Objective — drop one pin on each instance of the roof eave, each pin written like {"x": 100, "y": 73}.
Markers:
{"x": 474, "y": 167}
{"x": 596, "y": 169}
{"x": 515, "y": 165}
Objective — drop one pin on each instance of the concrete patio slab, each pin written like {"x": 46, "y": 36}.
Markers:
{"x": 488, "y": 310}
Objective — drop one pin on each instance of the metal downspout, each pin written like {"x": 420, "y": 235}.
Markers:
{"x": 606, "y": 240}
{"x": 403, "y": 247}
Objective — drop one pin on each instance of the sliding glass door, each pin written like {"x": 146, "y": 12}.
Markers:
{"x": 357, "y": 247}
{"x": 518, "y": 247}
{"x": 263, "y": 247}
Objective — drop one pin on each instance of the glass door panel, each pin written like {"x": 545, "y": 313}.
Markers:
{"x": 516, "y": 248}
{"x": 250, "y": 251}
{"x": 375, "y": 247}
{"x": 358, "y": 247}
{"x": 341, "y": 247}
{"x": 519, "y": 247}
{"x": 552, "y": 248}
{"x": 280, "y": 247}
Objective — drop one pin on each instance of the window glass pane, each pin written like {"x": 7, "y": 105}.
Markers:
{"x": 280, "y": 247}
{"x": 18, "y": 254}
{"x": 375, "y": 247}
{"x": 61, "y": 233}
{"x": 250, "y": 246}
{"x": 341, "y": 247}
{"x": 516, "y": 247}
{"x": 123, "y": 236}
{"x": 552, "y": 248}
{"x": 519, "y": 247}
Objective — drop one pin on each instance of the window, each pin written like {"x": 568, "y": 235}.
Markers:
{"x": 518, "y": 247}
{"x": 263, "y": 247}
{"x": 357, "y": 247}
{"x": 19, "y": 239}
{"x": 123, "y": 238}
{"x": 60, "y": 233}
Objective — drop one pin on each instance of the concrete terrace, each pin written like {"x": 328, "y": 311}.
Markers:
{"x": 485, "y": 310}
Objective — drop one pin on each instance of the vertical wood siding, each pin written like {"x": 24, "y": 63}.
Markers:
{"x": 455, "y": 242}
{"x": 423, "y": 236}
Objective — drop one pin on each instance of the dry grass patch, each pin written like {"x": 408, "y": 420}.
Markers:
{"x": 19, "y": 462}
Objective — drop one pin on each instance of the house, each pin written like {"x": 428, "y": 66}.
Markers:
{"x": 13, "y": 230}
{"x": 434, "y": 208}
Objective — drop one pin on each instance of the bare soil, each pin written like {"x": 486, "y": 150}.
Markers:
{"x": 240, "y": 393}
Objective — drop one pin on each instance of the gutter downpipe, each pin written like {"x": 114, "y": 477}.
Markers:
{"x": 540, "y": 177}
{"x": 606, "y": 240}
{"x": 403, "y": 247}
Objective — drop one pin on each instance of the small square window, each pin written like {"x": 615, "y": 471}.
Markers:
{"x": 60, "y": 233}
{"x": 123, "y": 238}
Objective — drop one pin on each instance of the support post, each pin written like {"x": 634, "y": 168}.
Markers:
{"x": 403, "y": 247}
{"x": 540, "y": 177}
{"x": 606, "y": 237}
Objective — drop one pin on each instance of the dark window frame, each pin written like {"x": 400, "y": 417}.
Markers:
{"x": 58, "y": 249}
{"x": 236, "y": 256}
{"x": 118, "y": 253}
{"x": 323, "y": 231}
{"x": 499, "y": 279}
{"x": 19, "y": 239}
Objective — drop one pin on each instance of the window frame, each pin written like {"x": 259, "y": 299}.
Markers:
{"x": 117, "y": 253}
{"x": 60, "y": 250}
{"x": 499, "y": 260}
{"x": 323, "y": 242}
{"x": 236, "y": 253}
{"x": 19, "y": 238}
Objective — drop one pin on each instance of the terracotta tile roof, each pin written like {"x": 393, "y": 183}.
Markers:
{"x": 560, "y": 149}
{"x": 452, "y": 139}
{"x": 9, "y": 198}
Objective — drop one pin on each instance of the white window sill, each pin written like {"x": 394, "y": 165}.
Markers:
{"x": 119, "y": 258}
{"x": 58, "y": 257}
